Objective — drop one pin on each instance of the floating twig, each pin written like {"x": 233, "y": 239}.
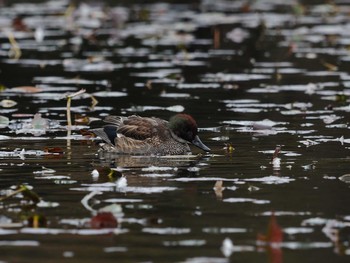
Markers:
{"x": 21, "y": 189}
{"x": 86, "y": 199}
{"x": 29, "y": 194}
{"x": 15, "y": 51}
{"x": 94, "y": 102}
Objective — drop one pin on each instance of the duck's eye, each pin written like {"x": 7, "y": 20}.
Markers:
{"x": 189, "y": 135}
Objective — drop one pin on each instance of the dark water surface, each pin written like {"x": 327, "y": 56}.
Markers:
{"x": 258, "y": 76}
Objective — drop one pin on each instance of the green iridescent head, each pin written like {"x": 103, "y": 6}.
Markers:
{"x": 185, "y": 127}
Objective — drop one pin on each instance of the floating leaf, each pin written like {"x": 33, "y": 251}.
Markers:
{"x": 272, "y": 240}
{"x": 103, "y": 220}
{"x": 39, "y": 34}
{"x": 274, "y": 232}
{"x": 44, "y": 171}
{"x": 252, "y": 188}
{"x": 218, "y": 188}
{"x": 8, "y": 103}
{"x": 229, "y": 148}
{"x": 54, "y": 150}
{"x": 27, "y": 89}
{"x": 39, "y": 123}
{"x": 4, "y": 122}
{"x": 218, "y": 185}
{"x": 329, "y": 66}
{"x": 22, "y": 115}
{"x": 227, "y": 247}
{"x": 148, "y": 84}
{"x": 18, "y": 24}
{"x": 95, "y": 174}
{"x": 342, "y": 98}
{"x": 237, "y": 35}
{"x": 122, "y": 182}
{"x": 175, "y": 76}
{"x": 246, "y": 200}
{"x": 175, "y": 108}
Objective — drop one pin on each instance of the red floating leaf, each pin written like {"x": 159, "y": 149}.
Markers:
{"x": 54, "y": 150}
{"x": 272, "y": 240}
{"x": 104, "y": 220}
{"x": 18, "y": 24}
{"x": 274, "y": 232}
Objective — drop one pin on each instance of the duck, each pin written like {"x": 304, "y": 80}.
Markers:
{"x": 149, "y": 135}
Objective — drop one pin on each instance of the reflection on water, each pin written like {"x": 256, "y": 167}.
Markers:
{"x": 268, "y": 84}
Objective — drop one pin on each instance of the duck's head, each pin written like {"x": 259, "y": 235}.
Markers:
{"x": 185, "y": 127}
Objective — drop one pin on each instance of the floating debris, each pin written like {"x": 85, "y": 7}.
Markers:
{"x": 103, "y": 220}
{"x": 218, "y": 189}
{"x": 227, "y": 247}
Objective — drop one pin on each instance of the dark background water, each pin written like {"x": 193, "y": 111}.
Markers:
{"x": 253, "y": 75}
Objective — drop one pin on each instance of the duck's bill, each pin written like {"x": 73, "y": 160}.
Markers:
{"x": 196, "y": 141}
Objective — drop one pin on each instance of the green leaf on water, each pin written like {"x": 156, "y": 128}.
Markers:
{"x": 341, "y": 98}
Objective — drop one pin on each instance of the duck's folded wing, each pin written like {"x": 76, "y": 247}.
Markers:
{"x": 117, "y": 142}
{"x": 129, "y": 145}
{"x": 108, "y": 133}
{"x": 140, "y": 128}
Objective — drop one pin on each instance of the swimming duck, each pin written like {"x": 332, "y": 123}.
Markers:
{"x": 150, "y": 135}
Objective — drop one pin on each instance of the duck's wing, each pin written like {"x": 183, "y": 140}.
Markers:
{"x": 107, "y": 133}
{"x": 119, "y": 143}
{"x": 124, "y": 144}
{"x": 138, "y": 128}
